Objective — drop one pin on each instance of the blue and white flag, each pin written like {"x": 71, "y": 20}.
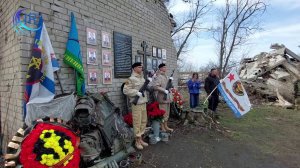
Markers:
{"x": 234, "y": 93}
{"x": 40, "y": 85}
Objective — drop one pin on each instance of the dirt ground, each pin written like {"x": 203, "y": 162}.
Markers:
{"x": 266, "y": 137}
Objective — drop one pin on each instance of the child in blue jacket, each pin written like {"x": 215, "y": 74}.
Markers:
{"x": 194, "y": 90}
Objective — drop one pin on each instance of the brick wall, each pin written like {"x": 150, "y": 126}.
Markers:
{"x": 144, "y": 20}
{"x": 10, "y": 76}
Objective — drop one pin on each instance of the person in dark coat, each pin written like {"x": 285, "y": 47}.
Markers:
{"x": 211, "y": 82}
{"x": 194, "y": 90}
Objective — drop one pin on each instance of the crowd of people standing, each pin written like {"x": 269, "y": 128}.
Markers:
{"x": 158, "y": 83}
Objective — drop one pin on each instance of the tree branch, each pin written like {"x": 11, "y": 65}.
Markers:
{"x": 191, "y": 25}
{"x": 237, "y": 24}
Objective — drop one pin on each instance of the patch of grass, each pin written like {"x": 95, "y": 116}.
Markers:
{"x": 261, "y": 118}
{"x": 272, "y": 129}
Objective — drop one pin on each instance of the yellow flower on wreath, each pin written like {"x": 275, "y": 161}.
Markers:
{"x": 53, "y": 142}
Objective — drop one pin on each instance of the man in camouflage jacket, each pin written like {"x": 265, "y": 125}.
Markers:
{"x": 160, "y": 83}
{"x": 139, "y": 112}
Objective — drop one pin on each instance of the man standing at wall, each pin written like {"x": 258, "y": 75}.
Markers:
{"x": 160, "y": 82}
{"x": 139, "y": 113}
{"x": 211, "y": 82}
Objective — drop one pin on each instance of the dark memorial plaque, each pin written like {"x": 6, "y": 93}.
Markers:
{"x": 122, "y": 55}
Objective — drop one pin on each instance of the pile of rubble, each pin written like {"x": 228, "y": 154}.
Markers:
{"x": 273, "y": 76}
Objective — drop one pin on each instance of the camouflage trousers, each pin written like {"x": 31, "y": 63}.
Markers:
{"x": 166, "y": 107}
{"x": 139, "y": 117}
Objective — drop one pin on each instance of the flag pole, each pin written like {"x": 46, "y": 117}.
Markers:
{"x": 61, "y": 87}
{"x": 215, "y": 88}
{"x": 210, "y": 95}
{"x": 213, "y": 91}
{"x": 6, "y": 116}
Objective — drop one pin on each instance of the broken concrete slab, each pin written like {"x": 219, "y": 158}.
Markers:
{"x": 292, "y": 54}
{"x": 271, "y": 76}
{"x": 292, "y": 69}
{"x": 281, "y": 75}
{"x": 282, "y": 101}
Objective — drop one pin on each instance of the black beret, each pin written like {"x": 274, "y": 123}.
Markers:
{"x": 136, "y": 64}
{"x": 161, "y": 65}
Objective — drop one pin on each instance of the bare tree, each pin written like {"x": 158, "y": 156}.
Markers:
{"x": 237, "y": 20}
{"x": 206, "y": 68}
{"x": 190, "y": 24}
{"x": 188, "y": 67}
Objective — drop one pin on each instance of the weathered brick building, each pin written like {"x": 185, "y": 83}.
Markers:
{"x": 142, "y": 20}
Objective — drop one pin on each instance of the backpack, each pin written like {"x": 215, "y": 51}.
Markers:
{"x": 90, "y": 146}
{"x": 84, "y": 108}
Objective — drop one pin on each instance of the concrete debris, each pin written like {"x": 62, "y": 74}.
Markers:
{"x": 272, "y": 76}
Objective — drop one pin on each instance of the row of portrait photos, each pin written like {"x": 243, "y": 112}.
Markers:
{"x": 107, "y": 57}
{"x": 93, "y": 77}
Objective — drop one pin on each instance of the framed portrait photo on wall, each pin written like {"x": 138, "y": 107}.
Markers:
{"x": 164, "y": 53}
{"x": 149, "y": 64}
{"x": 91, "y": 36}
{"x": 154, "y": 64}
{"x": 106, "y": 57}
{"x": 107, "y": 76}
{"x": 93, "y": 77}
{"x": 159, "y": 61}
{"x": 106, "y": 39}
{"x": 92, "y": 56}
{"x": 158, "y": 52}
{"x": 154, "y": 51}
{"x": 138, "y": 58}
